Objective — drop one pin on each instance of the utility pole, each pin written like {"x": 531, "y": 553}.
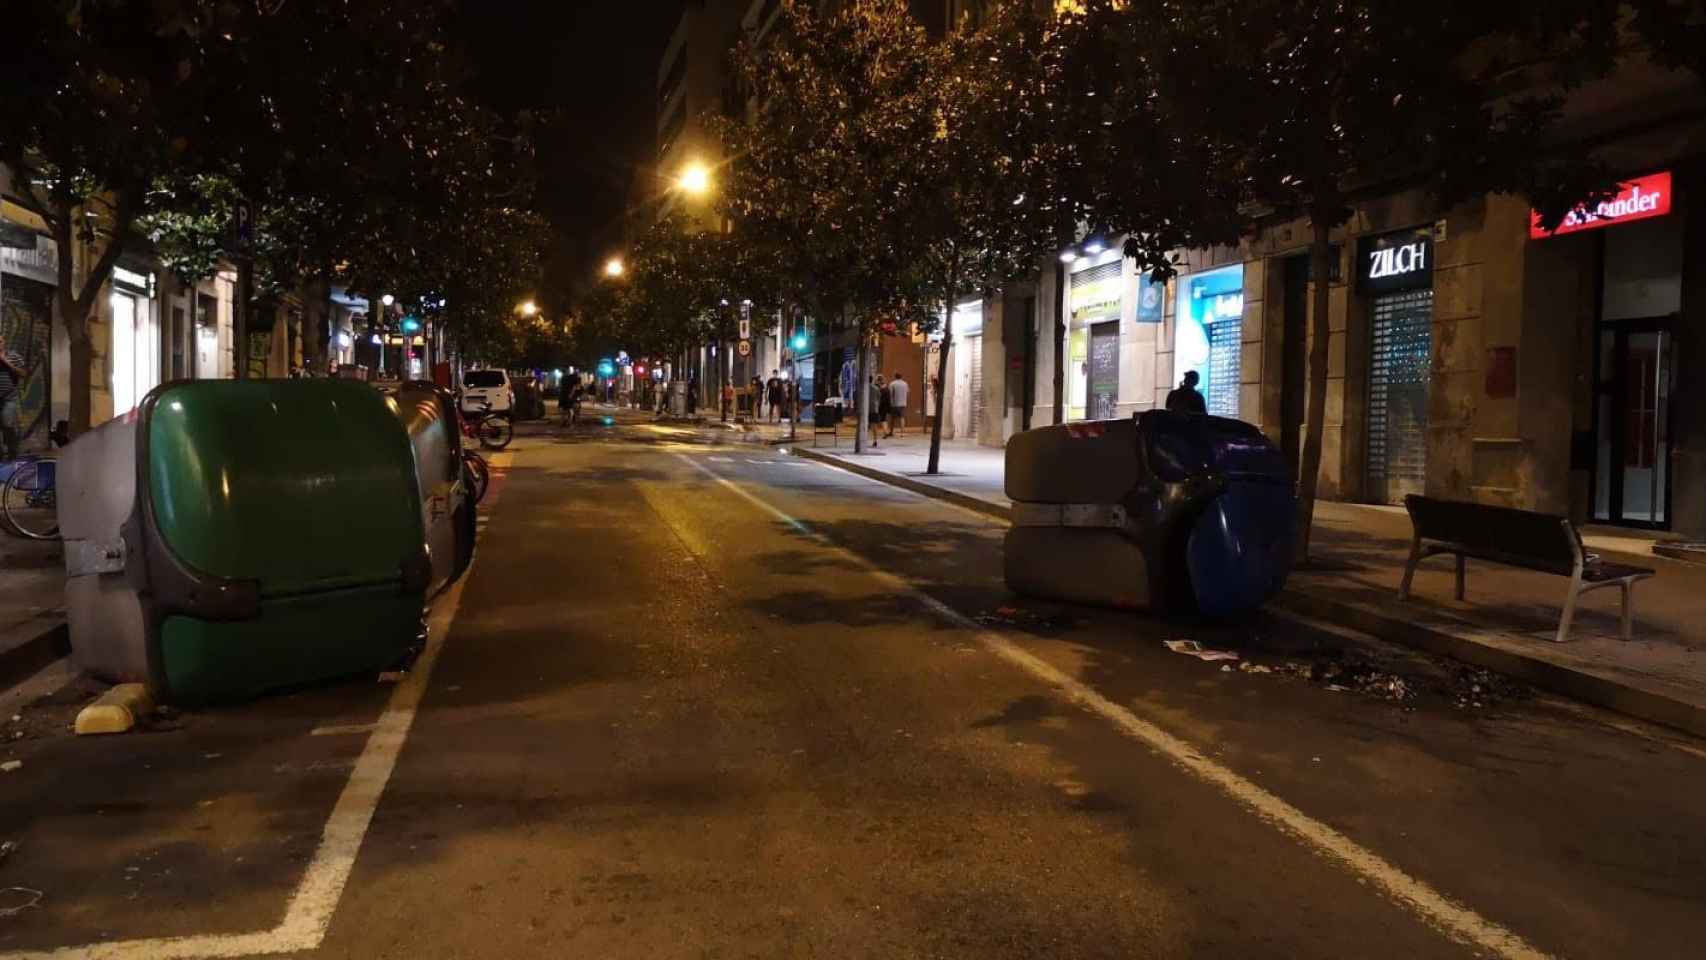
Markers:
{"x": 243, "y": 228}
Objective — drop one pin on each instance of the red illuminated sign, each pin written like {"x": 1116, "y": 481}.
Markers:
{"x": 1641, "y": 198}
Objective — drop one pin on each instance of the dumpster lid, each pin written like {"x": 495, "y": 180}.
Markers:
{"x": 297, "y": 484}
{"x": 1183, "y": 445}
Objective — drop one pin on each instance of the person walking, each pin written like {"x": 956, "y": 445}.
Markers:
{"x": 899, "y": 391}
{"x": 755, "y": 398}
{"x": 883, "y": 403}
{"x": 873, "y": 403}
{"x": 1186, "y": 398}
{"x": 728, "y": 393}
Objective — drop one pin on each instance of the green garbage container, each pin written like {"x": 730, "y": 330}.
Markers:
{"x": 230, "y": 538}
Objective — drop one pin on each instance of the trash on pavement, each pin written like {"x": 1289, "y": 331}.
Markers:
{"x": 15, "y": 900}
{"x": 1191, "y": 648}
{"x": 228, "y": 538}
{"x": 11, "y": 765}
{"x": 7, "y": 848}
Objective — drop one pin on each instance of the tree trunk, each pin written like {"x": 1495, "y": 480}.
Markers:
{"x": 934, "y": 465}
{"x": 243, "y": 314}
{"x": 77, "y": 299}
{"x": 1315, "y": 416}
{"x": 1059, "y": 342}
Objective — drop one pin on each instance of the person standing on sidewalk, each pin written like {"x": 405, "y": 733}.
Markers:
{"x": 755, "y": 398}
{"x": 899, "y": 390}
{"x": 12, "y": 374}
{"x": 1186, "y": 398}
{"x": 776, "y": 395}
{"x": 728, "y": 393}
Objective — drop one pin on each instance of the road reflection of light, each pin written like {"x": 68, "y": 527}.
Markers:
{"x": 608, "y": 421}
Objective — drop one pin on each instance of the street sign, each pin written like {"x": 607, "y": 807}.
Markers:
{"x": 243, "y": 226}
{"x": 745, "y": 329}
{"x": 745, "y": 347}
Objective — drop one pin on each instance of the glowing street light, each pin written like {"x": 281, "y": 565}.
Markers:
{"x": 387, "y": 299}
{"x": 614, "y": 267}
{"x": 528, "y": 308}
{"x": 695, "y": 179}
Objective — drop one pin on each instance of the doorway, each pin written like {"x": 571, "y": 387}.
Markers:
{"x": 1104, "y": 372}
{"x": 1631, "y": 480}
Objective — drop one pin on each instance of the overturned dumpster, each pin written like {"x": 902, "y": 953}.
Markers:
{"x": 428, "y": 413}
{"x": 1171, "y": 512}
{"x": 229, "y": 538}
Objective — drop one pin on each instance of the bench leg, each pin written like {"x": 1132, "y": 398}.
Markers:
{"x": 1628, "y": 624}
{"x": 1460, "y": 577}
{"x": 1410, "y": 568}
{"x": 1569, "y": 608}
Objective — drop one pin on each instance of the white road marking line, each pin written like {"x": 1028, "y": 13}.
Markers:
{"x": 1457, "y": 921}
{"x": 720, "y": 459}
{"x": 751, "y": 460}
{"x": 309, "y": 914}
{"x": 341, "y": 730}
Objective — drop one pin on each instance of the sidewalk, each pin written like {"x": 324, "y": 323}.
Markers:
{"x": 1358, "y": 558}
{"x": 32, "y": 614}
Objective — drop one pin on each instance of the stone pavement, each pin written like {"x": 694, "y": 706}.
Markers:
{"x": 32, "y": 607}
{"x": 1358, "y": 557}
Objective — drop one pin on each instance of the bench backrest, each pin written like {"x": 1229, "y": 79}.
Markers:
{"x": 1543, "y": 541}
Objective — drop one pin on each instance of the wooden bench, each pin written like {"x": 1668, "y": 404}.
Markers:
{"x": 1517, "y": 538}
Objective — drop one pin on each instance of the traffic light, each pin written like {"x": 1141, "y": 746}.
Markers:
{"x": 411, "y": 325}
{"x": 800, "y": 340}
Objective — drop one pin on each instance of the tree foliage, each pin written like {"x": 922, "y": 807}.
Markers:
{"x": 345, "y": 127}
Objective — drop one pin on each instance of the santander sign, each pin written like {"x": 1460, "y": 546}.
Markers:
{"x": 1640, "y": 199}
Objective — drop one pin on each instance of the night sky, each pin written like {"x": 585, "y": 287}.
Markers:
{"x": 594, "y": 63}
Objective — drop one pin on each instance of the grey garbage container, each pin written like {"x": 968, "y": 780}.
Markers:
{"x": 1164, "y": 511}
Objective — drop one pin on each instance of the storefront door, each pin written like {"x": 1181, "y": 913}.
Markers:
{"x": 974, "y": 359}
{"x": 1104, "y": 370}
{"x": 1632, "y": 423}
{"x": 1398, "y": 395}
{"x": 1395, "y": 273}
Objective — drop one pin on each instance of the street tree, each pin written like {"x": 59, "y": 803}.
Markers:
{"x": 1299, "y": 108}
{"x": 342, "y": 126}
{"x": 824, "y": 165}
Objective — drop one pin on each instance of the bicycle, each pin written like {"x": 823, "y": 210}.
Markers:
{"x": 479, "y": 473}
{"x": 493, "y": 430}
{"x": 29, "y": 498}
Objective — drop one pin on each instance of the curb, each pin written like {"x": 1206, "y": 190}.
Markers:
{"x": 975, "y": 504}
{"x": 20, "y": 662}
{"x": 1543, "y": 674}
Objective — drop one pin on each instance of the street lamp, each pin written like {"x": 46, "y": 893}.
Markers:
{"x": 387, "y": 299}
{"x": 614, "y": 267}
{"x": 695, "y": 179}
{"x": 528, "y": 308}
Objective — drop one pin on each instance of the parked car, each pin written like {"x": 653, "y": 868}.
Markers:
{"x": 483, "y": 387}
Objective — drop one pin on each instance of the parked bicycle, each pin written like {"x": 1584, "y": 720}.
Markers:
{"x": 29, "y": 498}
{"x": 493, "y": 430}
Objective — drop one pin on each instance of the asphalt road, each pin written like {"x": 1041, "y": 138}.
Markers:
{"x": 704, "y": 699}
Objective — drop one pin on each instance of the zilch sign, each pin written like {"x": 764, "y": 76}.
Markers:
{"x": 1640, "y": 199}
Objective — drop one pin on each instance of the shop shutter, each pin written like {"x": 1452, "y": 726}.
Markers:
{"x": 1107, "y": 271}
{"x": 976, "y": 353}
{"x": 1399, "y": 363}
{"x": 1225, "y": 355}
